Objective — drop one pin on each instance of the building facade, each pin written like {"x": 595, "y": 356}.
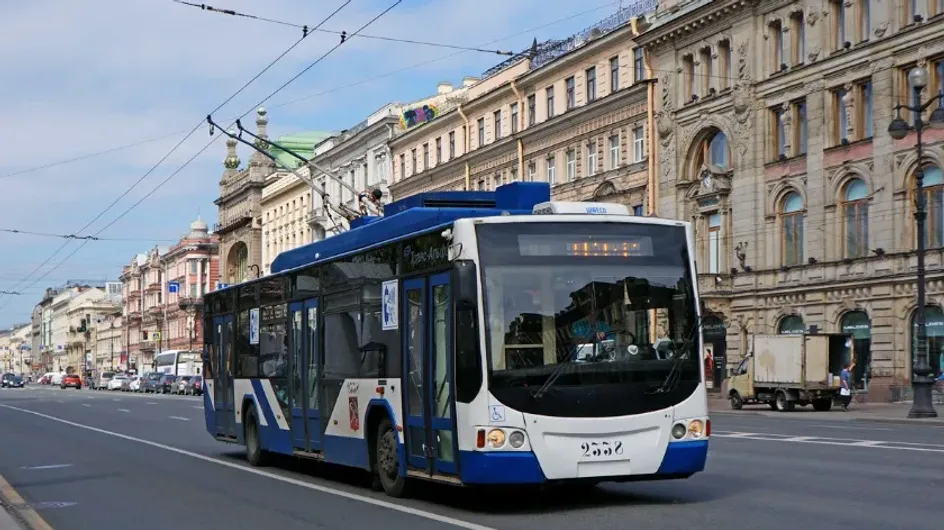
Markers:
{"x": 163, "y": 292}
{"x": 772, "y": 120}
{"x": 83, "y": 311}
{"x": 295, "y": 213}
{"x": 286, "y": 198}
{"x": 108, "y": 353}
{"x": 572, "y": 113}
{"x": 240, "y": 221}
{"x": 15, "y": 353}
{"x": 191, "y": 268}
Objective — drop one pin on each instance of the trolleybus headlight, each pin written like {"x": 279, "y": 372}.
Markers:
{"x": 516, "y": 439}
{"x": 678, "y": 431}
{"x": 496, "y": 438}
{"x": 696, "y": 428}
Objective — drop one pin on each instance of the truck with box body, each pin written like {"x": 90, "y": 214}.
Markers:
{"x": 788, "y": 370}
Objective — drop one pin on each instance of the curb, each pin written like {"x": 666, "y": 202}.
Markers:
{"x": 933, "y": 422}
{"x": 16, "y": 508}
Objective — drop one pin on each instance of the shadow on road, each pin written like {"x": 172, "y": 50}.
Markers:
{"x": 510, "y": 500}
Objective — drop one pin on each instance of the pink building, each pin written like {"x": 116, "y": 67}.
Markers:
{"x": 163, "y": 296}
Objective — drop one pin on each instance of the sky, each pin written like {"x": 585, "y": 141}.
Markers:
{"x": 95, "y": 75}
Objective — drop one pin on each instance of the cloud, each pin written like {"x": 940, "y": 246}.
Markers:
{"x": 97, "y": 74}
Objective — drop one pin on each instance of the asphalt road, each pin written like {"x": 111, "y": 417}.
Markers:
{"x": 144, "y": 461}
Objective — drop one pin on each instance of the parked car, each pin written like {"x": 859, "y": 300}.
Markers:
{"x": 71, "y": 380}
{"x": 165, "y": 384}
{"x": 101, "y": 383}
{"x": 195, "y": 387}
{"x": 116, "y": 381}
{"x": 180, "y": 384}
{"x": 133, "y": 384}
{"x": 7, "y": 380}
{"x": 150, "y": 382}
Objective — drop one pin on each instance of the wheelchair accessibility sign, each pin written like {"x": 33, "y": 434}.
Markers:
{"x": 496, "y": 414}
{"x": 389, "y": 305}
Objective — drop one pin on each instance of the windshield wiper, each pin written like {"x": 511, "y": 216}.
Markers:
{"x": 570, "y": 358}
{"x": 675, "y": 373}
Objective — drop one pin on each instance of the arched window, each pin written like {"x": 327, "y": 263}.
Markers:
{"x": 855, "y": 217}
{"x": 934, "y": 200}
{"x": 791, "y": 215}
{"x": 717, "y": 150}
{"x": 934, "y": 324}
{"x": 791, "y": 325}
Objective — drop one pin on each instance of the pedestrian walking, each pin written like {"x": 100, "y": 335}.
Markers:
{"x": 845, "y": 388}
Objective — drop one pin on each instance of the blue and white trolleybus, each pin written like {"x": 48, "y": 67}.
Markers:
{"x": 470, "y": 338}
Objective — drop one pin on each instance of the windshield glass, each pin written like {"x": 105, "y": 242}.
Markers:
{"x": 607, "y": 307}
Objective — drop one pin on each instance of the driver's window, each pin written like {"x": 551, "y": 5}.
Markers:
{"x": 742, "y": 368}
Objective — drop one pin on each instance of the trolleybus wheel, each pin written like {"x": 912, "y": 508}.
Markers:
{"x": 254, "y": 453}
{"x": 387, "y": 461}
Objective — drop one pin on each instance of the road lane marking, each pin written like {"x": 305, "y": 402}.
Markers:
{"x": 181, "y": 418}
{"x": 199, "y": 408}
{"x": 288, "y": 480}
{"x": 823, "y": 440}
{"x": 51, "y": 466}
{"x": 25, "y": 511}
{"x": 150, "y": 403}
{"x": 123, "y": 410}
{"x": 86, "y": 405}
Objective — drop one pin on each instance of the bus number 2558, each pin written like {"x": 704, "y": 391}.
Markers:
{"x": 597, "y": 449}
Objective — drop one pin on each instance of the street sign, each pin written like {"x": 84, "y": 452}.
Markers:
{"x": 173, "y": 287}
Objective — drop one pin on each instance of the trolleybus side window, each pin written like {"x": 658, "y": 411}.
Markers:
{"x": 246, "y": 354}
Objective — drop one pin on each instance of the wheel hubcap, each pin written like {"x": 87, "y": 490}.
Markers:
{"x": 387, "y": 458}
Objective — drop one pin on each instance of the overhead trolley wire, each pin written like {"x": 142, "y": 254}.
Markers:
{"x": 193, "y": 130}
{"x": 205, "y": 147}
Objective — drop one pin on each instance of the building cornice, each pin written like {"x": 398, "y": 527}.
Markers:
{"x": 682, "y": 24}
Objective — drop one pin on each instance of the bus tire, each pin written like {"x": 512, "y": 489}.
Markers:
{"x": 387, "y": 462}
{"x": 255, "y": 455}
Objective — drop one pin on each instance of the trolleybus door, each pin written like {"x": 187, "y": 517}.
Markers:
{"x": 223, "y": 403}
{"x": 306, "y": 425}
{"x": 427, "y": 334}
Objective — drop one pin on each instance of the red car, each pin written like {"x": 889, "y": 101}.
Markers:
{"x": 72, "y": 380}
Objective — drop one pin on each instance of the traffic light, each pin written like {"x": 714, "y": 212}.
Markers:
{"x": 144, "y": 335}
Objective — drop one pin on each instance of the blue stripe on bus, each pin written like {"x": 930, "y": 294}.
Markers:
{"x": 494, "y": 467}
{"x": 272, "y": 436}
{"x": 346, "y": 451}
{"x": 682, "y": 458}
{"x": 209, "y": 414}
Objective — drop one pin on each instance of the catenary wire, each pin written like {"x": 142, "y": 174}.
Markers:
{"x": 305, "y": 98}
{"x": 305, "y": 29}
{"x": 80, "y": 237}
{"x": 167, "y": 155}
{"x": 207, "y": 146}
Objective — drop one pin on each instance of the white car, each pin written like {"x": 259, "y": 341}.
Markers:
{"x": 135, "y": 385}
{"x": 115, "y": 382}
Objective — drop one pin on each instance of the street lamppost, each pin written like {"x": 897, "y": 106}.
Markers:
{"x": 922, "y": 375}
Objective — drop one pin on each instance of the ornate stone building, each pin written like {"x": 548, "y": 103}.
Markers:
{"x": 571, "y": 112}
{"x": 287, "y": 199}
{"x": 772, "y": 122}
{"x": 240, "y": 215}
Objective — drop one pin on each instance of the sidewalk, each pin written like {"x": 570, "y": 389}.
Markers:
{"x": 861, "y": 412}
